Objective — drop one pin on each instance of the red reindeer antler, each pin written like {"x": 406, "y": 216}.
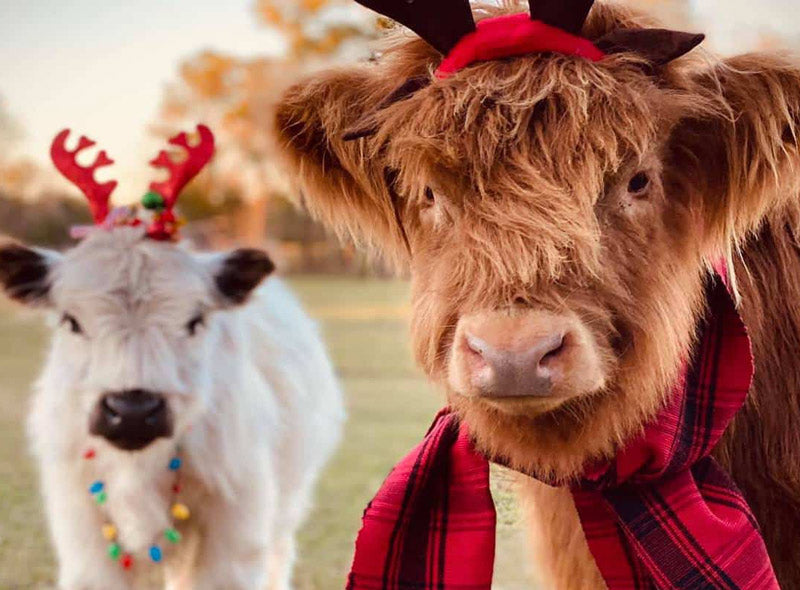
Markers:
{"x": 83, "y": 177}
{"x": 163, "y": 195}
{"x": 181, "y": 173}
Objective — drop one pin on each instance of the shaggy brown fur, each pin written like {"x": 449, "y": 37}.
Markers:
{"x": 761, "y": 449}
{"x": 508, "y": 186}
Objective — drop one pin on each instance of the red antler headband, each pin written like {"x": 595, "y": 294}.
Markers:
{"x": 160, "y": 199}
{"x": 448, "y": 25}
{"x": 66, "y": 162}
{"x": 513, "y": 35}
{"x": 552, "y": 26}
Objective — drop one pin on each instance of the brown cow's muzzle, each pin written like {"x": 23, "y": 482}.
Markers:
{"x": 528, "y": 355}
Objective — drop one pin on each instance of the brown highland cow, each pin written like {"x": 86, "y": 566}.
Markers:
{"x": 573, "y": 207}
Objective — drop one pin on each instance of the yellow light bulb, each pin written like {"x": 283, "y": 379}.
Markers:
{"x": 109, "y": 532}
{"x": 180, "y": 511}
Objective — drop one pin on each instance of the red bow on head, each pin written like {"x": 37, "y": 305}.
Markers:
{"x": 550, "y": 26}
{"x": 510, "y": 36}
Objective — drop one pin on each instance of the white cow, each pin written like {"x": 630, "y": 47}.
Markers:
{"x": 161, "y": 353}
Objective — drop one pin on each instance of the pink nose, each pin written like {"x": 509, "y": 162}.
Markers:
{"x": 504, "y": 372}
{"x": 523, "y": 354}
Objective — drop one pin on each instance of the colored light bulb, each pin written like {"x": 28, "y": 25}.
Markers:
{"x": 153, "y": 201}
{"x": 96, "y": 487}
{"x": 174, "y": 464}
{"x": 172, "y": 535}
{"x": 101, "y": 497}
{"x": 114, "y": 551}
{"x": 109, "y": 532}
{"x": 155, "y": 553}
{"x": 180, "y": 511}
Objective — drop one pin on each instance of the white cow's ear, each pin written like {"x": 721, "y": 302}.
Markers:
{"x": 236, "y": 274}
{"x": 25, "y": 273}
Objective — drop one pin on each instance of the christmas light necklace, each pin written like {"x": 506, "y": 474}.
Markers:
{"x": 178, "y": 512}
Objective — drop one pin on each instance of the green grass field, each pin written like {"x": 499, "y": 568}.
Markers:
{"x": 389, "y": 404}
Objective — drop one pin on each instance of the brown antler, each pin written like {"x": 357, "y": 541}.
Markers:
{"x": 181, "y": 173}
{"x": 442, "y": 23}
{"x": 567, "y": 15}
{"x": 83, "y": 177}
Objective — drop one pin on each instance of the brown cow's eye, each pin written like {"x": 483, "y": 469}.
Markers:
{"x": 430, "y": 197}
{"x": 195, "y": 323}
{"x": 73, "y": 324}
{"x": 639, "y": 183}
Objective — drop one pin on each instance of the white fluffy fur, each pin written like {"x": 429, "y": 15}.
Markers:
{"x": 257, "y": 412}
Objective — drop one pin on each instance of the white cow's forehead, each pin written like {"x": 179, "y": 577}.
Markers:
{"x": 122, "y": 269}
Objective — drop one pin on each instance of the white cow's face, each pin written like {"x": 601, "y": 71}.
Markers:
{"x": 133, "y": 346}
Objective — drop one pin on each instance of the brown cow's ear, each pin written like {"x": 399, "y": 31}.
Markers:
{"x": 367, "y": 126}
{"x": 657, "y": 46}
{"x": 738, "y": 152}
{"x": 342, "y": 181}
{"x": 240, "y": 272}
{"x": 25, "y": 273}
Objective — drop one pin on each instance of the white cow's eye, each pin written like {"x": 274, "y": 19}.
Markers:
{"x": 195, "y": 323}
{"x": 74, "y": 326}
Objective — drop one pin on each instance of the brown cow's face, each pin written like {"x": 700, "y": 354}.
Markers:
{"x": 525, "y": 326}
{"x": 555, "y": 276}
{"x": 557, "y": 217}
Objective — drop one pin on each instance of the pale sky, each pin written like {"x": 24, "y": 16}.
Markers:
{"x": 99, "y": 66}
{"x": 735, "y": 26}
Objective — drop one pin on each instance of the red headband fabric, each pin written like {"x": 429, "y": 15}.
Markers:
{"x": 513, "y": 35}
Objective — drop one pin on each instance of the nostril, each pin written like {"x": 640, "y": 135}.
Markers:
{"x": 159, "y": 407}
{"x": 553, "y": 349}
{"x": 476, "y": 345}
{"x": 111, "y": 415}
{"x": 154, "y": 416}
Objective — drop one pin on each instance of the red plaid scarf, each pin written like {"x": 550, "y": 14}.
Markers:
{"x": 662, "y": 514}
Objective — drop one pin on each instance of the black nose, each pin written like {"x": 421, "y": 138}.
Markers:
{"x": 131, "y": 419}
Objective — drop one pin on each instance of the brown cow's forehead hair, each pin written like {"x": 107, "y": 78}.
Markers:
{"x": 559, "y": 122}
{"x": 525, "y": 146}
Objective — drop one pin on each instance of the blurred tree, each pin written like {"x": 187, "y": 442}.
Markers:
{"x": 18, "y": 176}
{"x": 235, "y": 95}
{"x": 44, "y": 221}
{"x": 317, "y": 27}
{"x": 10, "y": 131}
{"x": 232, "y": 96}
{"x": 674, "y": 13}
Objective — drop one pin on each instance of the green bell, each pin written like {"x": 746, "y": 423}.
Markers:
{"x": 153, "y": 201}
{"x": 172, "y": 535}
